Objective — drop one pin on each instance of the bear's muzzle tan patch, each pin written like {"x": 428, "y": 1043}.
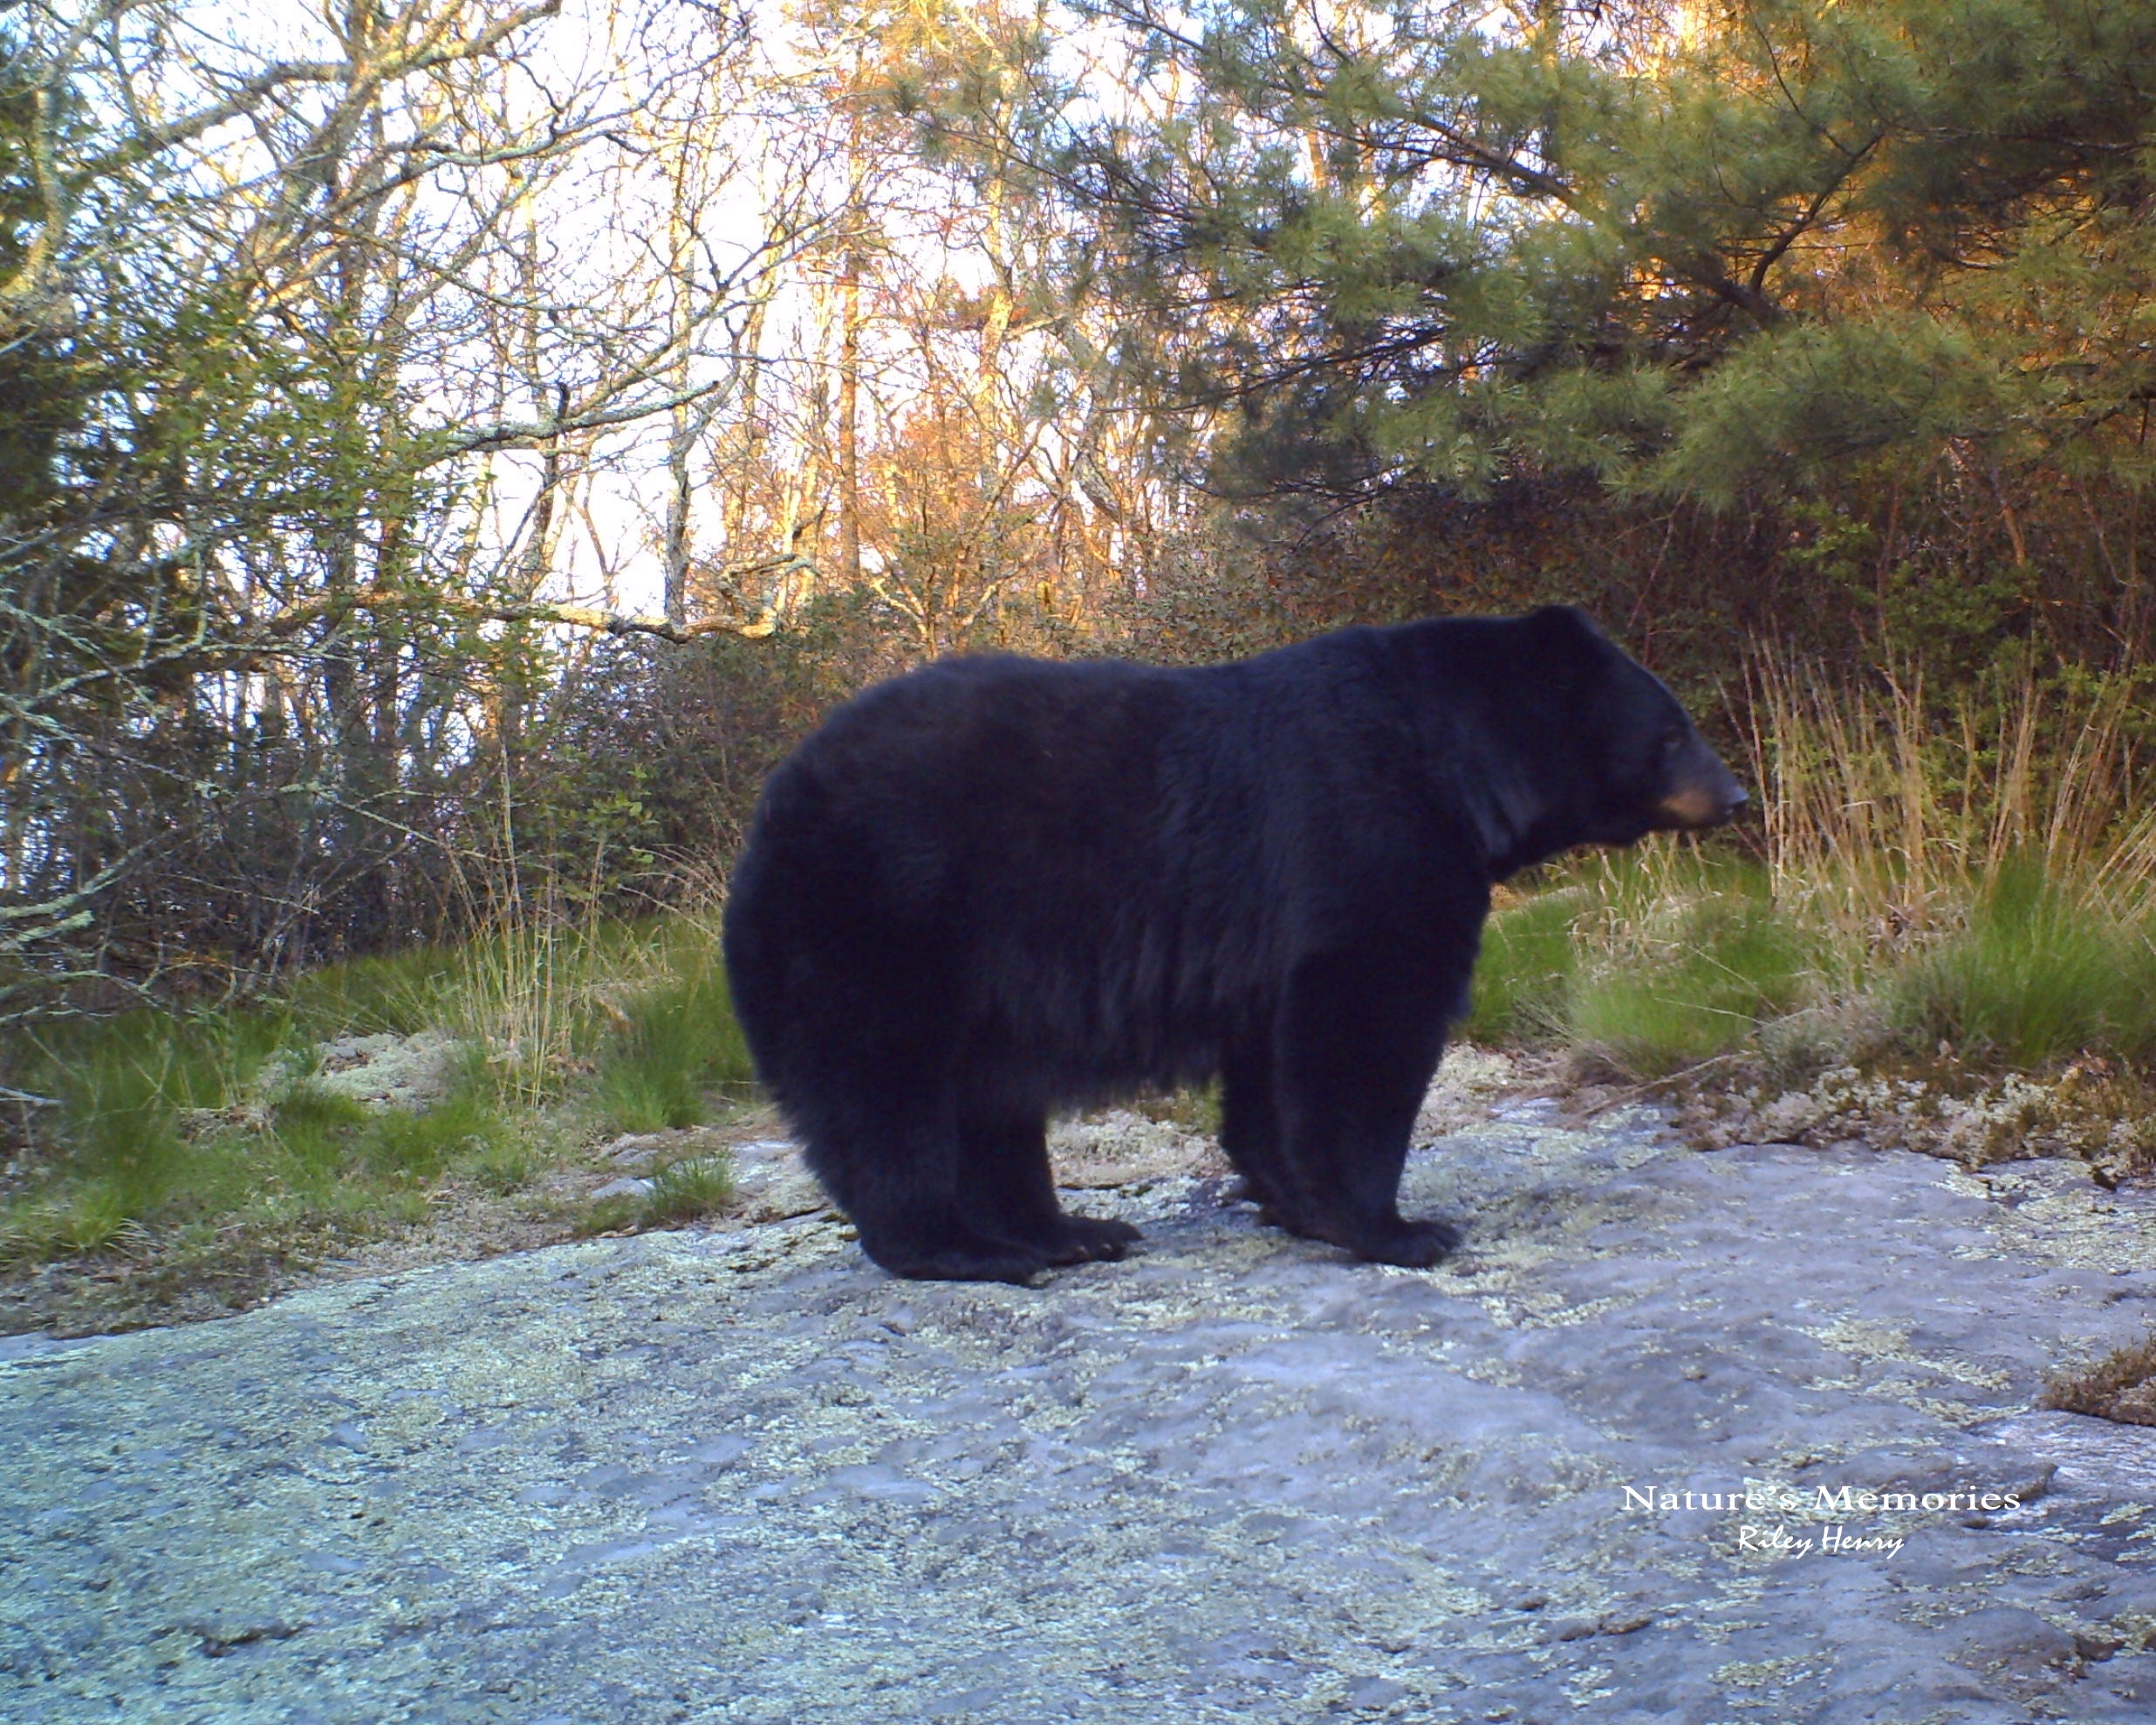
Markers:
{"x": 1695, "y": 805}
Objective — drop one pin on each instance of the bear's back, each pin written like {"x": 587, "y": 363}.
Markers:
{"x": 1102, "y": 852}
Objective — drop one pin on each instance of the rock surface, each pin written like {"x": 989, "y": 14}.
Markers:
{"x": 742, "y": 1477}
{"x": 387, "y": 1071}
{"x": 769, "y": 1181}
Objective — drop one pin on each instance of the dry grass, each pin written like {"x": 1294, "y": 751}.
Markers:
{"x": 1886, "y": 811}
{"x": 1979, "y": 873}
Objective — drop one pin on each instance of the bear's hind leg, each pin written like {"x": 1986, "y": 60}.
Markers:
{"x": 892, "y": 1164}
{"x": 1004, "y": 1173}
{"x": 1250, "y": 1133}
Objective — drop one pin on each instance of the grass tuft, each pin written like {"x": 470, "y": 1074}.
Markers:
{"x": 466, "y": 1129}
{"x": 2034, "y": 976}
{"x": 1698, "y": 980}
{"x": 687, "y": 1190}
{"x": 1524, "y": 977}
{"x": 673, "y": 1042}
{"x": 609, "y": 1216}
{"x": 1649, "y": 963}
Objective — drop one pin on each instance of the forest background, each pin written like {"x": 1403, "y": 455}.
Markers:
{"x": 450, "y": 448}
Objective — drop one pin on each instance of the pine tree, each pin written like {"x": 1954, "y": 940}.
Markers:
{"x": 1683, "y": 250}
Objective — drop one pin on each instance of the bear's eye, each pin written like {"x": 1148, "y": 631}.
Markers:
{"x": 1672, "y": 742}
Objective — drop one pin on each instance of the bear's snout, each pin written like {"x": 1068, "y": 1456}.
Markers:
{"x": 1705, "y": 793}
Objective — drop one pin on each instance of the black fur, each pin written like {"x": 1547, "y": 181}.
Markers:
{"x": 996, "y": 886}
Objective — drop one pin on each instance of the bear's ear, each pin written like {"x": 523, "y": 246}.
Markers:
{"x": 1565, "y": 643}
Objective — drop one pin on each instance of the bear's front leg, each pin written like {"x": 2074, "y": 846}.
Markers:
{"x": 1008, "y": 1190}
{"x": 1359, "y": 1039}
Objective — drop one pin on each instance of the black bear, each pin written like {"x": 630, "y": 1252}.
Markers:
{"x": 997, "y": 886}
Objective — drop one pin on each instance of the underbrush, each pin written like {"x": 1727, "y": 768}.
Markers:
{"x": 225, "y": 1145}
{"x": 1944, "y": 937}
{"x": 1677, "y": 960}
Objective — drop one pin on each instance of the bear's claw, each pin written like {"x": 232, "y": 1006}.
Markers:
{"x": 1412, "y": 1245}
{"x": 1089, "y": 1239}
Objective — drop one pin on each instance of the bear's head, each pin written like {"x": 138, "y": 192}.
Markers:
{"x": 1640, "y": 765}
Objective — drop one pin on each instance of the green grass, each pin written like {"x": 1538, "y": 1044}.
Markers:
{"x": 2035, "y": 976}
{"x": 685, "y": 1190}
{"x": 1523, "y": 979}
{"x": 309, "y": 1137}
{"x": 133, "y": 1091}
{"x": 468, "y": 1130}
{"x": 1651, "y": 963}
{"x": 1708, "y": 974}
{"x": 397, "y": 992}
{"x": 1665, "y": 961}
{"x": 173, "y": 1131}
{"x": 673, "y": 1042}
